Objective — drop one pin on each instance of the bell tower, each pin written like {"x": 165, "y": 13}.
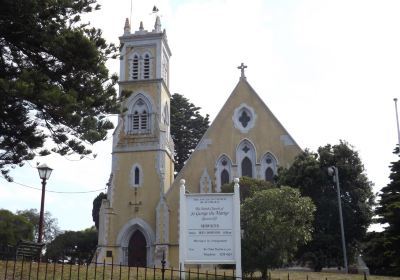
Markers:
{"x": 134, "y": 219}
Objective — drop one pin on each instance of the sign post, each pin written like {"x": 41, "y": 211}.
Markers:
{"x": 210, "y": 228}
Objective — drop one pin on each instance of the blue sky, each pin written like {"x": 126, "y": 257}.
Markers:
{"x": 328, "y": 70}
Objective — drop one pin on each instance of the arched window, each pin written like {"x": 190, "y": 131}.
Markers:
{"x": 135, "y": 67}
{"x": 223, "y": 172}
{"x": 224, "y": 177}
{"x": 139, "y": 119}
{"x": 146, "y": 66}
{"x": 269, "y": 167}
{"x": 137, "y": 176}
{"x": 247, "y": 168}
{"x": 246, "y": 159}
{"x": 269, "y": 175}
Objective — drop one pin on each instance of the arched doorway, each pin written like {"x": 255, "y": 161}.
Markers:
{"x": 137, "y": 250}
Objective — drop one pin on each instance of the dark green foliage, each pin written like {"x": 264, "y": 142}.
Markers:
{"x": 382, "y": 251}
{"x": 14, "y": 228}
{"x": 96, "y": 208}
{"x": 379, "y": 254}
{"x": 73, "y": 245}
{"x": 53, "y": 80}
{"x": 274, "y": 222}
{"x": 248, "y": 186}
{"x": 50, "y": 229}
{"x": 309, "y": 174}
{"x": 187, "y": 128}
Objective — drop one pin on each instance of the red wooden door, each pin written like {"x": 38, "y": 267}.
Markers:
{"x": 137, "y": 250}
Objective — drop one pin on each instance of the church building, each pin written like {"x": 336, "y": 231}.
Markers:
{"x": 139, "y": 220}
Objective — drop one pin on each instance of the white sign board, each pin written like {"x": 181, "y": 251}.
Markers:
{"x": 209, "y": 228}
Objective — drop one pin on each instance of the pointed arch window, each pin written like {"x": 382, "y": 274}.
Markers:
{"x": 247, "y": 167}
{"x": 136, "y": 176}
{"x": 224, "y": 177}
{"x": 269, "y": 167}
{"x": 139, "y": 118}
{"x": 269, "y": 174}
{"x": 223, "y": 172}
{"x": 246, "y": 159}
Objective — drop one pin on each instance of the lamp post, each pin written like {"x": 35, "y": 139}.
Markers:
{"x": 333, "y": 171}
{"x": 44, "y": 174}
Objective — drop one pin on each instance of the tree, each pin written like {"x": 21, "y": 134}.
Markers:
{"x": 73, "y": 245}
{"x": 96, "y": 208}
{"x": 309, "y": 174}
{"x": 187, "y": 128}
{"x": 50, "y": 226}
{"x": 14, "y": 228}
{"x": 248, "y": 186}
{"x": 382, "y": 249}
{"x": 274, "y": 222}
{"x": 54, "y": 83}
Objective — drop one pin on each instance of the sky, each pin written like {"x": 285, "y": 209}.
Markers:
{"x": 328, "y": 70}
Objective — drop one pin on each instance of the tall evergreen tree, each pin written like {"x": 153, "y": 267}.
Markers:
{"x": 309, "y": 174}
{"x": 389, "y": 203}
{"x": 187, "y": 128}
{"x": 96, "y": 208}
{"x": 53, "y": 80}
{"x": 388, "y": 212}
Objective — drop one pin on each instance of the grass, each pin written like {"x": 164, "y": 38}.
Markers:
{"x": 46, "y": 271}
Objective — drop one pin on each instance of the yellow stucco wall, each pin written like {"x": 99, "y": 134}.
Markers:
{"x": 224, "y": 138}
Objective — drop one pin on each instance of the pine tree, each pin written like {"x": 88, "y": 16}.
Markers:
{"x": 53, "y": 80}
{"x": 187, "y": 128}
{"x": 388, "y": 212}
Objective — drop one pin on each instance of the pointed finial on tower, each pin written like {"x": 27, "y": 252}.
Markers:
{"x": 141, "y": 26}
{"x": 127, "y": 27}
{"x": 242, "y": 67}
{"x": 157, "y": 25}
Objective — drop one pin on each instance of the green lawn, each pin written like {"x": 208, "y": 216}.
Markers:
{"x": 27, "y": 270}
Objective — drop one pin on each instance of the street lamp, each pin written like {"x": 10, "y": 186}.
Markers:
{"x": 44, "y": 174}
{"x": 333, "y": 171}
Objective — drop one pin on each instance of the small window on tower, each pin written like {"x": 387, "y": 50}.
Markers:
{"x": 139, "y": 120}
{"x": 143, "y": 121}
{"x": 146, "y": 67}
{"x": 135, "y": 67}
{"x": 135, "y": 121}
{"x": 137, "y": 176}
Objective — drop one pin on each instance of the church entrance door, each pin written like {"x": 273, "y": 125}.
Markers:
{"x": 137, "y": 250}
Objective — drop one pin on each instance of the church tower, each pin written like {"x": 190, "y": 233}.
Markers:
{"x": 134, "y": 218}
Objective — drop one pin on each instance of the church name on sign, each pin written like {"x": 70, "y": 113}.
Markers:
{"x": 209, "y": 227}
